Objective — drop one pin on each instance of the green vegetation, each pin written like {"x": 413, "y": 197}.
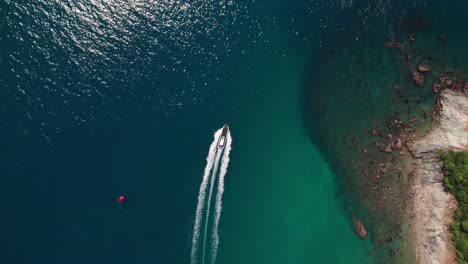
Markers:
{"x": 456, "y": 180}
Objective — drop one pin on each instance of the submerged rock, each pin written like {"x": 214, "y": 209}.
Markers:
{"x": 443, "y": 38}
{"x": 388, "y": 44}
{"x": 418, "y": 78}
{"x": 423, "y": 68}
{"x": 412, "y": 37}
{"x": 458, "y": 86}
{"x": 447, "y": 83}
{"x": 397, "y": 143}
{"x": 387, "y": 149}
{"x": 436, "y": 87}
{"x": 399, "y": 91}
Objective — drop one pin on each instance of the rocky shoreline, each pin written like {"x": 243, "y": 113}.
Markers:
{"x": 410, "y": 91}
{"x": 430, "y": 209}
{"x": 433, "y": 206}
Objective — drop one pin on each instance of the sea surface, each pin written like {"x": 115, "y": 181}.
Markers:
{"x": 105, "y": 98}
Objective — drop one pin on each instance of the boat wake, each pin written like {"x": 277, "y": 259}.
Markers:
{"x": 218, "y": 159}
{"x": 219, "y": 198}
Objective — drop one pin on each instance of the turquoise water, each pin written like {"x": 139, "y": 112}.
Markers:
{"x": 105, "y": 98}
{"x": 281, "y": 203}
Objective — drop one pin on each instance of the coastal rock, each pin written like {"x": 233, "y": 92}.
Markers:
{"x": 359, "y": 228}
{"x": 433, "y": 207}
{"x": 398, "y": 144}
{"x": 423, "y": 68}
{"x": 387, "y": 149}
{"x": 446, "y": 82}
{"x": 365, "y": 151}
{"x": 388, "y": 44}
{"x": 436, "y": 87}
{"x": 418, "y": 78}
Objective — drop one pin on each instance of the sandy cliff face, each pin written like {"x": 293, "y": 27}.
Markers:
{"x": 433, "y": 207}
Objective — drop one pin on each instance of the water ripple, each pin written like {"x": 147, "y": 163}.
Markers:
{"x": 69, "y": 61}
{"x": 76, "y": 58}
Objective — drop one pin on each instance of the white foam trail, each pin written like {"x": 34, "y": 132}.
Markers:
{"x": 207, "y": 214}
{"x": 219, "y": 197}
{"x": 201, "y": 197}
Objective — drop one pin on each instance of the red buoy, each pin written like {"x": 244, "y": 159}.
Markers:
{"x": 122, "y": 199}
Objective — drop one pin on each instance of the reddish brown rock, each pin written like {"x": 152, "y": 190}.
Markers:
{"x": 397, "y": 44}
{"x": 359, "y": 228}
{"x": 418, "y": 78}
{"x": 449, "y": 83}
{"x": 436, "y": 87}
{"x": 387, "y": 148}
{"x": 424, "y": 68}
{"x": 397, "y": 143}
{"x": 446, "y": 82}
